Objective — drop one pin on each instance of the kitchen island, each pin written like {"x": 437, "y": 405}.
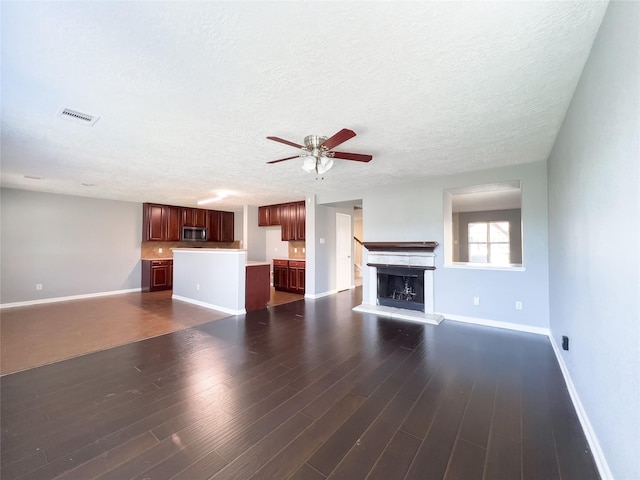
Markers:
{"x": 218, "y": 278}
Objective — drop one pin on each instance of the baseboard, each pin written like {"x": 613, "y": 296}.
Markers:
{"x": 314, "y": 296}
{"x": 210, "y": 306}
{"x": 65, "y": 299}
{"x": 596, "y": 450}
{"x": 496, "y": 324}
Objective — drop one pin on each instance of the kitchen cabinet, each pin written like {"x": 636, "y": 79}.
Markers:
{"x": 221, "y": 226}
{"x": 157, "y": 275}
{"x": 281, "y": 275}
{"x": 301, "y": 216}
{"x": 289, "y": 275}
{"x": 296, "y": 276}
{"x": 293, "y": 221}
{"x": 290, "y": 216}
{"x": 161, "y": 223}
{"x": 194, "y": 217}
{"x": 269, "y": 215}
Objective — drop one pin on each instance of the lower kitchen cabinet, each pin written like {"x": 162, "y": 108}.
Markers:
{"x": 289, "y": 276}
{"x": 281, "y": 275}
{"x": 296, "y": 276}
{"x": 157, "y": 275}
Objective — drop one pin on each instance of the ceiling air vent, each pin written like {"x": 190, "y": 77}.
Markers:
{"x": 78, "y": 117}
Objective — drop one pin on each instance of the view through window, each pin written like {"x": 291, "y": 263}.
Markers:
{"x": 483, "y": 225}
{"x": 489, "y": 242}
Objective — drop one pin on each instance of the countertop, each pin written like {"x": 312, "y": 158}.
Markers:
{"x": 252, "y": 263}
{"x": 158, "y": 258}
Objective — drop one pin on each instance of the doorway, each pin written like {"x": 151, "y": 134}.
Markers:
{"x": 344, "y": 238}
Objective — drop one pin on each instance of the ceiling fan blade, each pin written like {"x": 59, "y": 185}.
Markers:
{"x": 283, "y": 159}
{"x": 340, "y": 137}
{"x": 358, "y": 157}
{"x": 286, "y": 142}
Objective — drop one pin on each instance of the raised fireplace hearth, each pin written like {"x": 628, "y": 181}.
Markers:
{"x": 398, "y": 280}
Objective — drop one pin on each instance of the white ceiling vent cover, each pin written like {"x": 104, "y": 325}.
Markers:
{"x": 78, "y": 117}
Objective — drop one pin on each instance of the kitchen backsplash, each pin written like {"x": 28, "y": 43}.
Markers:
{"x": 151, "y": 250}
{"x": 297, "y": 250}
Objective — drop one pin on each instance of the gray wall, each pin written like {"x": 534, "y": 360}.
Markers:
{"x": 71, "y": 245}
{"x": 253, "y": 237}
{"x": 594, "y": 241}
{"x": 415, "y": 212}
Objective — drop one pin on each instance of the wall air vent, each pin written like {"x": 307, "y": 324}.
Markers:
{"x": 78, "y": 117}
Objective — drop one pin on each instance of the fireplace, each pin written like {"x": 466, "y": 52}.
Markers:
{"x": 398, "y": 281}
{"x": 401, "y": 287}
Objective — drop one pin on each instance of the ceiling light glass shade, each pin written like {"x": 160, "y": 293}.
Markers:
{"x": 324, "y": 165}
{"x": 309, "y": 164}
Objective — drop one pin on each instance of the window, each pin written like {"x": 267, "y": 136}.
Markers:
{"x": 483, "y": 225}
{"x": 489, "y": 243}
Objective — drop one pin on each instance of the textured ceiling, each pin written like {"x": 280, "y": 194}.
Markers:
{"x": 187, "y": 92}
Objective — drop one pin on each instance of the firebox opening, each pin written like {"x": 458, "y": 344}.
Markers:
{"x": 401, "y": 288}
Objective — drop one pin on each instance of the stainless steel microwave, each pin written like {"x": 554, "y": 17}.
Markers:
{"x": 194, "y": 234}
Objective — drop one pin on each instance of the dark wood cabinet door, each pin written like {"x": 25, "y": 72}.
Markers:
{"x": 263, "y": 216}
{"x": 296, "y": 276}
{"x": 280, "y": 275}
{"x": 226, "y": 226}
{"x": 300, "y": 272}
{"x": 153, "y": 222}
{"x": 194, "y": 217}
{"x": 301, "y": 214}
{"x": 221, "y": 226}
{"x": 157, "y": 275}
{"x": 287, "y": 221}
{"x": 274, "y": 214}
{"x": 173, "y": 223}
{"x": 293, "y": 280}
{"x": 214, "y": 226}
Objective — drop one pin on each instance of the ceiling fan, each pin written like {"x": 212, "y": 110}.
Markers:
{"x": 318, "y": 153}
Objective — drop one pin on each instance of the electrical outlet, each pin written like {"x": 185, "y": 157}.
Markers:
{"x": 295, "y": 250}
{"x": 197, "y": 286}
{"x": 160, "y": 250}
{"x": 518, "y": 305}
{"x": 476, "y": 301}
{"x": 38, "y": 286}
{"x": 321, "y": 240}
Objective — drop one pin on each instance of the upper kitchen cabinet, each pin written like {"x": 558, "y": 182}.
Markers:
{"x": 194, "y": 217}
{"x": 301, "y": 223}
{"x": 221, "y": 226}
{"x": 290, "y": 216}
{"x": 293, "y": 221}
{"x": 269, "y": 215}
{"x": 161, "y": 223}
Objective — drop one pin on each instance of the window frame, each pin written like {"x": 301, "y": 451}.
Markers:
{"x": 448, "y": 223}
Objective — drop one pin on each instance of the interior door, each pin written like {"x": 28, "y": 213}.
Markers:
{"x": 344, "y": 238}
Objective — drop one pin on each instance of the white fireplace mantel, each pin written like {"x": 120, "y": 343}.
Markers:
{"x": 396, "y": 256}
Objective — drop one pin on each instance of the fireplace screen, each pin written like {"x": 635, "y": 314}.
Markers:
{"x": 401, "y": 287}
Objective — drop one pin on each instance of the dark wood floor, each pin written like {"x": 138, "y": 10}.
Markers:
{"x": 306, "y": 390}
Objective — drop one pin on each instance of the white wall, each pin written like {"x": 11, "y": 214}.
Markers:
{"x": 70, "y": 245}
{"x": 594, "y": 241}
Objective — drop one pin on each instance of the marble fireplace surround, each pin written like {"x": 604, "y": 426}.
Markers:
{"x": 414, "y": 255}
